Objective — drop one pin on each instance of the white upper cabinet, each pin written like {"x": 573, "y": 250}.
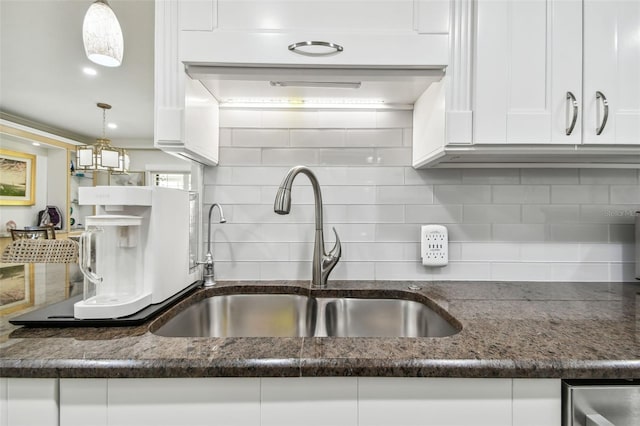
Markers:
{"x": 351, "y": 32}
{"x": 210, "y": 53}
{"x": 540, "y": 63}
{"x": 611, "y": 67}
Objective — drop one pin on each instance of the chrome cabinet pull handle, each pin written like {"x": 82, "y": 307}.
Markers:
{"x": 600, "y": 95}
{"x": 574, "y": 104}
{"x": 337, "y": 48}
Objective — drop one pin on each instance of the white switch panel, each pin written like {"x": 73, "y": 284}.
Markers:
{"x": 434, "y": 245}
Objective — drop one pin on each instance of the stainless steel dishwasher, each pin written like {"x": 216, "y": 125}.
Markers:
{"x": 601, "y": 402}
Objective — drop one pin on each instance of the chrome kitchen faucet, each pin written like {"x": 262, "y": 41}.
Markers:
{"x": 208, "y": 275}
{"x": 323, "y": 263}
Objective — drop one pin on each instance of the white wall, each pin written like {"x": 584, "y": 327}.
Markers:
{"x": 504, "y": 224}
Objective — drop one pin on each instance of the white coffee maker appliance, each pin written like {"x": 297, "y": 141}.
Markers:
{"x": 135, "y": 251}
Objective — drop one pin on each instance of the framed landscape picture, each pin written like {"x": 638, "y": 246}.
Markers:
{"x": 17, "y": 178}
{"x": 16, "y": 287}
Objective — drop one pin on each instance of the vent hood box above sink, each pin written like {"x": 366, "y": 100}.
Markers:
{"x": 330, "y": 87}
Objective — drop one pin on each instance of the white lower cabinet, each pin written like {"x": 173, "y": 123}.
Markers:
{"x": 309, "y": 401}
{"x": 335, "y": 401}
{"x": 434, "y": 401}
{"x": 28, "y": 402}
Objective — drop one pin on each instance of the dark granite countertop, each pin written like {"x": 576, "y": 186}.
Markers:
{"x": 509, "y": 329}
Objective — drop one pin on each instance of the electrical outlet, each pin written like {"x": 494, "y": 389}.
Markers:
{"x": 434, "y": 245}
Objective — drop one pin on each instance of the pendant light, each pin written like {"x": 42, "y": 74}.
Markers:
{"x": 102, "y": 155}
{"x": 102, "y": 35}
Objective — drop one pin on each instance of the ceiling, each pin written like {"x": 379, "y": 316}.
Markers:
{"x": 41, "y": 70}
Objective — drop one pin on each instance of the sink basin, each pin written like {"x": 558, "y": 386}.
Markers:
{"x": 289, "y": 315}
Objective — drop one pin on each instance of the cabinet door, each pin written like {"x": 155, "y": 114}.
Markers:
{"x": 382, "y": 32}
{"x": 83, "y": 402}
{"x": 434, "y": 402}
{"x": 309, "y": 401}
{"x": 29, "y": 402}
{"x": 193, "y": 402}
{"x": 612, "y": 67}
{"x": 528, "y": 57}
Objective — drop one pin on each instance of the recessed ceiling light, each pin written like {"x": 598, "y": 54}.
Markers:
{"x": 89, "y": 71}
{"x": 35, "y": 143}
{"x": 112, "y": 125}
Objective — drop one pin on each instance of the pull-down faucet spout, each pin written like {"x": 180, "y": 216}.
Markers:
{"x": 323, "y": 263}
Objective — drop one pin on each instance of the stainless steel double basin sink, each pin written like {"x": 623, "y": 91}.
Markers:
{"x": 294, "y": 315}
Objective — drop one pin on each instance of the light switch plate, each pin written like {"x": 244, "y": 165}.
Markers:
{"x": 434, "y": 245}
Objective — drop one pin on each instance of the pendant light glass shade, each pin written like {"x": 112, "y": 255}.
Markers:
{"x": 102, "y": 35}
{"x": 102, "y": 155}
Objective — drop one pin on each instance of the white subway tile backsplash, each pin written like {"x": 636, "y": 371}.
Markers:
{"x": 520, "y": 271}
{"x": 371, "y": 138}
{"x": 218, "y": 176}
{"x": 404, "y": 195}
{"x": 607, "y": 253}
{"x": 625, "y": 194}
{"x": 354, "y": 271}
{"x": 349, "y": 194}
{"x": 521, "y": 194}
{"x": 469, "y": 232}
{"x": 503, "y": 224}
{"x": 518, "y": 232}
{"x": 347, "y": 119}
{"x": 501, "y": 213}
{"x": 290, "y": 119}
{"x": 318, "y": 138}
{"x": 462, "y": 194}
{"x": 392, "y": 156}
{"x": 572, "y": 233}
{"x": 550, "y": 213}
{"x": 496, "y": 252}
{"x": 257, "y": 175}
{"x": 239, "y": 156}
{"x": 393, "y": 119}
{"x": 549, "y": 176}
{"x": 625, "y": 272}
{"x": 432, "y": 214}
{"x": 621, "y": 233}
{"x": 407, "y": 137}
{"x": 375, "y": 213}
{"x": 237, "y": 271}
{"x": 608, "y": 176}
{"x": 229, "y": 194}
{"x": 240, "y": 118}
{"x": 249, "y": 252}
{"x": 549, "y": 252}
{"x": 431, "y": 177}
{"x": 608, "y": 214}
{"x": 394, "y": 232}
{"x": 347, "y": 156}
{"x": 224, "y": 137}
{"x": 372, "y": 176}
{"x": 490, "y": 176}
{"x": 580, "y": 194}
{"x": 289, "y": 156}
{"x": 594, "y": 272}
{"x": 260, "y": 138}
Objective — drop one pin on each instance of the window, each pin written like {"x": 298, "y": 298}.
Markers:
{"x": 171, "y": 180}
